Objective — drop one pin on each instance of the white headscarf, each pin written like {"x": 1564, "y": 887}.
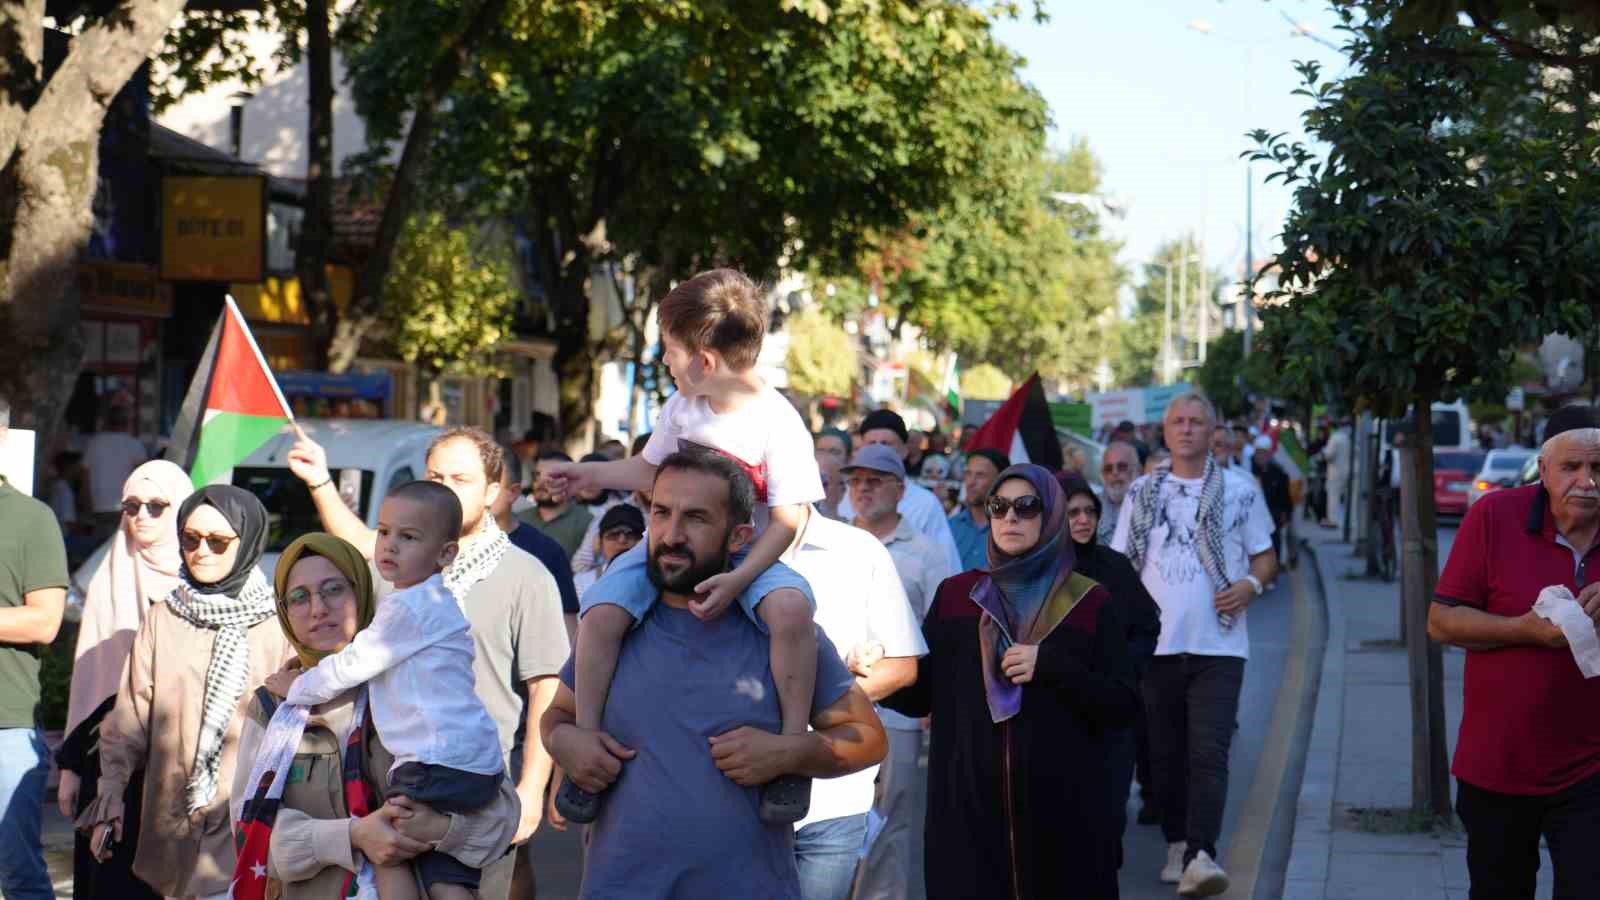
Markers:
{"x": 129, "y": 579}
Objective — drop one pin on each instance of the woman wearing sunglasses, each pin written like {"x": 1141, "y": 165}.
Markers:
{"x": 1027, "y": 672}
{"x": 139, "y": 571}
{"x": 175, "y": 715}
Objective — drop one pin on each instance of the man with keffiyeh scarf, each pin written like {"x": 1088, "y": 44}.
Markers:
{"x": 1200, "y": 536}
{"x": 510, "y": 600}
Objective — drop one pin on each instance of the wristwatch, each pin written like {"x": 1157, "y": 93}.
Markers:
{"x": 1255, "y": 583}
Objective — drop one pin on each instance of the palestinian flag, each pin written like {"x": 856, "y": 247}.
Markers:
{"x": 1022, "y": 428}
{"x": 233, "y": 405}
{"x": 952, "y": 386}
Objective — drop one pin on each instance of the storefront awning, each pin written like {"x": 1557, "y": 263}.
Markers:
{"x": 321, "y": 384}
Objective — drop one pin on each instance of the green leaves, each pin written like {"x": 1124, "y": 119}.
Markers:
{"x": 449, "y": 297}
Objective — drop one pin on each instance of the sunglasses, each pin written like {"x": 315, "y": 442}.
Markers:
{"x": 617, "y": 534}
{"x": 1027, "y": 507}
{"x": 1109, "y": 468}
{"x": 217, "y": 543}
{"x": 130, "y": 508}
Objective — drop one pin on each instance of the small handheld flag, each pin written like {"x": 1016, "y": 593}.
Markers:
{"x": 233, "y": 405}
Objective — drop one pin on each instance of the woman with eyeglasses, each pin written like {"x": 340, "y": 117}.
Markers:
{"x": 176, "y": 712}
{"x": 331, "y": 813}
{"x": 1027, "y": 673}
{"x": 1142, "y": 617}
{"x": 139, "y": 570}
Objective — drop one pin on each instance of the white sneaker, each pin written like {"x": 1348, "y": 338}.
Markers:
{"x": 1172, "y": 872}
{"x": 1202, "y": 878}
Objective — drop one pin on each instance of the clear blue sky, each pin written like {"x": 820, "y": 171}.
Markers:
{"x": 1165, "y": 107}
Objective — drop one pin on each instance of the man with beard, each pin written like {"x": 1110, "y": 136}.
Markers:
{"x": 510, "y": 599}
{"x": 561, "y": 518}
{"x": 1119, "y": 466}
{"x": 680, "y": 818}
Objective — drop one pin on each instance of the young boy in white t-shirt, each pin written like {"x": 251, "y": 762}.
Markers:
{"x": 416, "y": 658}
{"x": 712, "y": 327}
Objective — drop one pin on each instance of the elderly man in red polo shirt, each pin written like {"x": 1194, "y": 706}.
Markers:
{"x": 1527, "y": 760}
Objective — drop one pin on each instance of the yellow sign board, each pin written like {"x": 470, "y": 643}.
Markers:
{"x": 213, "y": 228}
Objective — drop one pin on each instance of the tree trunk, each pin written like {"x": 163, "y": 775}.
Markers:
{"x": 49, "y": 166}
{"x": 1419, "y": 570}
{"x": 316, "y": 231}
{"x": 402, "y": 194}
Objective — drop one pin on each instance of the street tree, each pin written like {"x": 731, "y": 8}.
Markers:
{"x": 49, "y": 163}
{"x": 450, "y": 297}
{"x": 822, "y": 359}
{"x": 985, "y": 382}
{"x": 675, "y": 137}
{"x": 1430, "y": 243}
{"x": 1137, "y": 345}
{"x": 1230, "y": 378}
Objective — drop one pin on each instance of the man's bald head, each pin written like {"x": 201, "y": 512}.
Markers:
{"x": 1119, "y": 466}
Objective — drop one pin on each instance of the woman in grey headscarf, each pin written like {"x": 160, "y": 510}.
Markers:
{"x": 176, "y": 715}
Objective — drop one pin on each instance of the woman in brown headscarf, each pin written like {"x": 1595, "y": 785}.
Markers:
{"x": 308, "y": 840}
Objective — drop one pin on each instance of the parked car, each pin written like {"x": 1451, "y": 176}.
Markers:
{"x": 1452, "y": 479}
{"x": 366, "y": 457}
{"x": 1530, "y": 470}
{"x": 1501, "y": 469}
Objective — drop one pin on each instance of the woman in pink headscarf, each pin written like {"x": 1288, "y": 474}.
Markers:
{"x": 141, "y": 569}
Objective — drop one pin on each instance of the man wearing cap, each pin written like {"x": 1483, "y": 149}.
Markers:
{"x": 927, "y": 515}
{"x": 876, "y": 478}
{"x": 969, "y": 525}
{"x": 1527, "y": 760}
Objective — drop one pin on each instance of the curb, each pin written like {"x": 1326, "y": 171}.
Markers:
{"x": 1312, "y": 843}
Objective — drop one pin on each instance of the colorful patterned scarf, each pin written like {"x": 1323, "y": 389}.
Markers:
{"x": 253, "y": 831}
{"x": 1021, "y": 596}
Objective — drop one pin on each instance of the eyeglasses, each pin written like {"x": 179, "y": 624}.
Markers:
{"x": 130, "y": 507}
{"x": 189, "y": 541}
{"x": 1110, "y": 468}
{"x": 867, "y": 482}
{"x": 334, "y": 592}
{"x": 1027, "y": 507}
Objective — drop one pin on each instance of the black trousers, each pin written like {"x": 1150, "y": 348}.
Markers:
{"x": 1503, "y": 833}
{"x": 1191, "y": 703}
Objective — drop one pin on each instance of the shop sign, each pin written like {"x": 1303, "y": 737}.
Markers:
{"x": 129, "y": 289}
{"x": 213, "y": 228}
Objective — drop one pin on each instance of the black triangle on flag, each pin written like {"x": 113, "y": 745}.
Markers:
{"x": 186, "y": 431}
{"x": 1022, "y": 429}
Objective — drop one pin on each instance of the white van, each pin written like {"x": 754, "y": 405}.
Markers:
{"x": 1452, "y": 430}
{"x": 366, "y": 457}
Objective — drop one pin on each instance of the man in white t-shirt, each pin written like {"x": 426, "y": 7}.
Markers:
{"x": 893, "y": 869}
{"x": 1200, "y": 536}
{"x": 859, "y": 603}
{"x": 919, "y": 505}
{"x": 109, "y": 457}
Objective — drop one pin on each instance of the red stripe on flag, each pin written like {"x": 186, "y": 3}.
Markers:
{"x": 241, "y": 382}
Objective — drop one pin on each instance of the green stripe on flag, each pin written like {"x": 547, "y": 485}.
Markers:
{"x": 226, "y": 439}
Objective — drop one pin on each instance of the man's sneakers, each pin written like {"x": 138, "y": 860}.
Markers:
{"x": 1201, "y": 878}
{"x": 1172, "y": 872}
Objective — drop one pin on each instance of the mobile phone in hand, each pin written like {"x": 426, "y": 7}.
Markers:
{"x": 108, "y": 844}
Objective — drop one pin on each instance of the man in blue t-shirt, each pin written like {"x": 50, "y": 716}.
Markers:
{"x": 690, "y": 728}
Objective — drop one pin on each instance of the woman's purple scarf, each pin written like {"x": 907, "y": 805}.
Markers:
{"x": 1015, "y": 593}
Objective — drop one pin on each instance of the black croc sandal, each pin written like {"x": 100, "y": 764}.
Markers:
{"x": 785, "y": 800}
{"x": 576, "y": 804}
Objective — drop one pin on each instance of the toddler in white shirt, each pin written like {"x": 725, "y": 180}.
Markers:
{"x": 416, "y": 659}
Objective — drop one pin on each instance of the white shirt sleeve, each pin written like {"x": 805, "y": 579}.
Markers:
{"x": 933, "y": 575}
{"x": 1119, "y": 538}
{"x": 792, "y": 475}
{"x": 664, "y": 436}
{"x": 890, "y": 617}
{"x": 1257, "y": 524}
{"x": 394, "y": 635}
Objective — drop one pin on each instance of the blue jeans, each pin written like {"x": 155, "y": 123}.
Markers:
{"x": 24, "y": 766}
{"x": 826, "y": 853}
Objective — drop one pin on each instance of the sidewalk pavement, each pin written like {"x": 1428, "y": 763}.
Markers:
{"x": 1360, "y": 752}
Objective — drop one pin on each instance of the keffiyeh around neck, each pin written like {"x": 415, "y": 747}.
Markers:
{"x": 231, "y": 617}
{"x": 1209, "y": 530}
{"x": 478, "y": 557}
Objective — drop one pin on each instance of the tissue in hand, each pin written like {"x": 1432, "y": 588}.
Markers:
{"x": 1557, "y": 604}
